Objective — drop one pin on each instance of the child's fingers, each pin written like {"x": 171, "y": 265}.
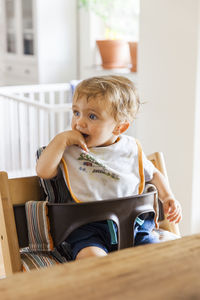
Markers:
{"x": 83, "y": 146}
{"x": 169, "y": 207}
{"x": 177, "y": 209}
{"x": 173, "y": 207}
{"x": 173, "y": 211}
{"x": 177, "y": 216}
{"x": 173, "y": 218}
{"x": 166, "y": 207}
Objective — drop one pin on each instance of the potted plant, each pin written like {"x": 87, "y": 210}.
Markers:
{"x": 119, "y": 18}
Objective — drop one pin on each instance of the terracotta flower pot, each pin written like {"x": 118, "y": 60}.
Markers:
{"x": 113, "y": 53}
{"x": 133, "y": 53}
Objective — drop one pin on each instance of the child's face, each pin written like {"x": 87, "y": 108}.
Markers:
{"x": 93, "y": 119}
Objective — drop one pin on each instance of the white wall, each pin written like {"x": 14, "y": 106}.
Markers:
{"x": 57, "y": 40}
{"x": 167, "y": 82}
{"x": 196, "y": 171}
{"x": 90, "y": 29}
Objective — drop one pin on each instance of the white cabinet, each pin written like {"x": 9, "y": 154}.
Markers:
{"x": 15, "y": 73}
{"x": 38, "y": 41}
{"x": 19, "y": 27}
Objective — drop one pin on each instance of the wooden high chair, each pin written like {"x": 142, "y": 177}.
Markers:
{"x": 14, "y": 193}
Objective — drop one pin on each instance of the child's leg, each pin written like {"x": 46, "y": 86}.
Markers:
{"x": 90, "y": 251}
{"x": 143, "y": 233}
{"x": 90, "y": 240}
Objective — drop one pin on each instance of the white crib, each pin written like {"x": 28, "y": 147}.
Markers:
{"x": 30, "y": 116}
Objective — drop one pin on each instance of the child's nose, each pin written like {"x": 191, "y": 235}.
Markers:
{"x": 81, "y": 122}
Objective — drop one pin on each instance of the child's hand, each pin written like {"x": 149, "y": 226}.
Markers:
{"x": 173, "y": 209}
{"x": 74, "y": 137}
{"x": 47, "y": 164}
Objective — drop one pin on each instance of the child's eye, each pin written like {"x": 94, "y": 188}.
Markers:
{"x": 76, "y": 113}
{"x": 93, "y": 117}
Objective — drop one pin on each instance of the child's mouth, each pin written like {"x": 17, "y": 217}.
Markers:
{"x": 85, "y": 135}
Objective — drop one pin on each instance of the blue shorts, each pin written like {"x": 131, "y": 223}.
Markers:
{"x": 97, "y": 234}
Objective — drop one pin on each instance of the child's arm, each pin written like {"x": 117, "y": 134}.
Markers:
{"x": 170, "y": 204}
{"x": 47, "y": 164}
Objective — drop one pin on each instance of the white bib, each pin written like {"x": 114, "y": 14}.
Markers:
{"x": 105, "y": 172}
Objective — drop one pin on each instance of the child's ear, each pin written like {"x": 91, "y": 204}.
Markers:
{"x": 120, "y": 128}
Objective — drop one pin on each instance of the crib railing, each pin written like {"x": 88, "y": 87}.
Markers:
{"x": 30, "y": 116}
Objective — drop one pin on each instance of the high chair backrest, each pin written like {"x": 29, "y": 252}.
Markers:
{"x": 20, "y": 190}
{"x": 14, "y": 191}
{"x": 157, "y": 158}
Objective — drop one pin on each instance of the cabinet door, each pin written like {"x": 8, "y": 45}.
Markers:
{"x": 27, "y": 24}
{"x": 11, "y": 25}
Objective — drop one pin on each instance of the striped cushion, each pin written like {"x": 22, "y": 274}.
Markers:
{"x": 38, "y": 226}
{"x": 55, "y": 188}
{"x": 37, "y": 260}
{"x": 40, "y": 252}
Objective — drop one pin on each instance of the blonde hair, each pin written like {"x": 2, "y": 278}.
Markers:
{"x": 119, "y": 91}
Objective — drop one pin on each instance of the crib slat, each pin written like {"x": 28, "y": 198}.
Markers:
{"x": 52, "y": 115}
{"x": 61, "y": 115}
{"x": 41, "y": 123}
{"x": 7, "y": 138}
{"x": 33, "y": 132}
{"x": 15, "y": 135}
{"x": 23, "y": 129}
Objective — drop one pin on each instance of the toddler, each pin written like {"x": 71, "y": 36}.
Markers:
{"x": 100, "y": 163}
